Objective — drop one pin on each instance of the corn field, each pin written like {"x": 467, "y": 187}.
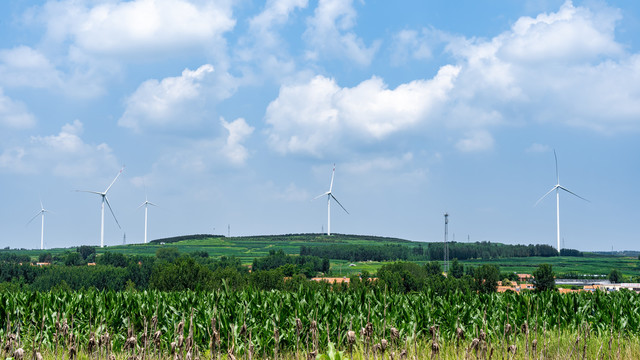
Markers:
{"x": 362, "y": 324}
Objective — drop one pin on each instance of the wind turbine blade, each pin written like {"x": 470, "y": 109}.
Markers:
{"x": 333, "y": 173}
{"x": 152, "y": 204}
{"x": 334, "y": 198}
{"x": 141, "y": 205}
{"x": 114, "y": 180}
{"x": 90, "y": 192}
{"x": 34, "y": 217}
{"x": 321, "y": 195}
{"x": 110, "y": 209}
{"x": 572, "y": 193}
{"x": 545, "y": 195}
{"x": 557, "y": 173}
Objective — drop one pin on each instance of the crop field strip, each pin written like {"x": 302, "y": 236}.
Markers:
{"x": 291, "y": 324}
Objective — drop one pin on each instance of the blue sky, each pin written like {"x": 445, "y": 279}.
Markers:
{"x": 232, "y": 113}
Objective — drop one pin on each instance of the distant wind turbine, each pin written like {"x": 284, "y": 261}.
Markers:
{"x": 329, "y": 197}
{"x": 41, "y": 214}
{"x": 105, "y": 200}
{"x": 557, "y": 189}
{"x": 146, "y": 204}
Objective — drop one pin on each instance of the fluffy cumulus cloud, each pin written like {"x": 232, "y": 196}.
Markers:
{"x": 233, "y": 149}
{"x": 330, "y": 33}
{"x": 14, "y": 114}
{"x": 313, "y": 117}
{"x": 64, "y": 154}
{"x": 133, "y": 27}
{"x": 563, "y": 67}
{"x": 24, "y": 66}
{"x": 171, "y": 102}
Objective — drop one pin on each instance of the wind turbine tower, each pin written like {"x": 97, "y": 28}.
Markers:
{"x": 105, "y": 200}
{"x": 557, "y": 189}
{"x": 330, "y": 196}
{"x": 146, "y": 204}
{"x": 41, "y": 214}
{"x": 446, "y": 244}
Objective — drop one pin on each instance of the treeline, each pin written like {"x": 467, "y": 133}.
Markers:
{"x": 431, "y": 251}
{"x": 168, "y": 270}
{"x": 291, "y": 265}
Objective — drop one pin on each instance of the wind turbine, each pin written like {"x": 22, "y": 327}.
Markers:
{"x": 557, "y": 189}
{"x": 329, "y": 197}
{"x": 105, "y": 200}
{"x": 146, "y": 204}
{"x": 41, "y": 214}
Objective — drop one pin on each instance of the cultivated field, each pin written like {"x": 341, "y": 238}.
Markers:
{"x": 362, "y": 324}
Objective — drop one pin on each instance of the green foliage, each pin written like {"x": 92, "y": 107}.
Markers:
{"x": 332, "y": 354}
{"x": 486, "y": 278}
{"x": 86, "y": 251}
{"x": 544, "y": 278}
{"x": 45, "y": 257}
{"x": 571, "y": 252}
{"x": 303, "y": 264}
{"x": 112, "y": 259}
{"x": 457, "y": 269}
{"x": 433, "y": 268}
{"x": 182, "y": 274}
{"x": 73, "y": 259}
{"x": 615, "y": 276}
{"x": 167, "y": 254}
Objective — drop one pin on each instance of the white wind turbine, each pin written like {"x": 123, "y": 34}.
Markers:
{"x": 105, "y": 200}
{"x": 41, "y": 214}
{"x": 557, "y": 189}
{"x": 329, "y": 196}
{"x": 146, "y": 204}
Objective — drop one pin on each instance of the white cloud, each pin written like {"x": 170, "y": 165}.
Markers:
{"x": 119, "y": 28}
{"x": 329, "y": 33}
{"x": 172, "y": 102}
{"x": 208, "y": 155}
{"x": 262, "y": 52}
{"x": 476, "y": 141}
{"x": 14, "y": 114}
{"x": 65, "y": 154}
{"x": 238, "y": 130}
{"x": 413, "y": 45}
{"x": 26, "y": 67}
{"x": 319, "y": 117}
{"x": 563, "y": 67}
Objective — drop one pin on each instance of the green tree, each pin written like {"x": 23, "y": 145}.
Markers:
{"x": 615, "y": 276}
{"x": 86, "y": 251}
{"x": 433, "y": 268}
{"x": 167, "y": 253}
{"x": 45, "y": 257}
{"x": 457, "y": 269}
{"x": 73, "y": 259}
{"x": 486, "y": 278}
{"x": 544, "y": 278}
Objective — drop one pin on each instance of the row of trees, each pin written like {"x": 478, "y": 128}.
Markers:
{"x": 431, "y": 251}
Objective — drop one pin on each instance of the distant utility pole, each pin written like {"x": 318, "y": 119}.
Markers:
{"x": 446, "y": 244}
